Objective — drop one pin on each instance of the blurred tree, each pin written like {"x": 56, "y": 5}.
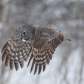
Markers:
{"x": 68, "y": 15}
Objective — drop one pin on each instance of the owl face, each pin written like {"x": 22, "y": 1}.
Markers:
{"x": 25, "y": 34}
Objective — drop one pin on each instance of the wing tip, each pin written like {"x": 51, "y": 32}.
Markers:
{"x": 6, "y": 66}
{"x": 11, "y": 68}
{"x": 16, "y": 69}
{"x": 67, "y": 38}
{"x": 3, "y": 60}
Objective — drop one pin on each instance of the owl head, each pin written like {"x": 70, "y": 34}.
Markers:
{"x": 27, "y": 33}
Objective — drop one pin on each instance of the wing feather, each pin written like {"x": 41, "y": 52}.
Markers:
{"x": 15, "y": 52}
{"x": 43, "y": 54}
{"x": 11, "y": 63}
{"x": 7, "y": 61}
{"x": 36, "y": 66}
{"x": 41, "y": 47}
{"x": 16, "y": 65}
{"x": 44, "y": 67}
{"x": 4, "y": 55}
{"x": 40, "y": 66}
{"x": 30, "y": 59}
{"x": 32, "y": 66}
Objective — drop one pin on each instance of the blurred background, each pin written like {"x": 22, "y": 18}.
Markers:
{"x": 67, "y": 65}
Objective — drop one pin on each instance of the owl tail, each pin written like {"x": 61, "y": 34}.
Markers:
{"x": 67, "y": 38}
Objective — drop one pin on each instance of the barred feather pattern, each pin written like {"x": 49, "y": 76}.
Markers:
{"x": 43, "y": 56}
{"x": 15, "y": 52}
{"x": 39, "y": 47}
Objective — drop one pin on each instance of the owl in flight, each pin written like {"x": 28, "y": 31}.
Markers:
{"x": 31, "y": 42}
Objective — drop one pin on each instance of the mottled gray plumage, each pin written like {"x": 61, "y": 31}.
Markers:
{"x": 33, "y": 41}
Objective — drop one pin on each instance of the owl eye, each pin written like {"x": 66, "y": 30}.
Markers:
{"x": 24, "y": 33}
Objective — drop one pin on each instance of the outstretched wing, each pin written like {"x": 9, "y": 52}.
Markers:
{"x": 45, "y": 43}
{"x": 15, "y": 52}
{"x": 42, "y": 47}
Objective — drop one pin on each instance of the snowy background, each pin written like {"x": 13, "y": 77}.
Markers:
{"x": 67, "y": 65}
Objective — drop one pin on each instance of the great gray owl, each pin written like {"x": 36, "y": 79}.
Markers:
{"x": 34, "y": 42}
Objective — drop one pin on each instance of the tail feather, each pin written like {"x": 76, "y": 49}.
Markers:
{"x": 67, "y": 38}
